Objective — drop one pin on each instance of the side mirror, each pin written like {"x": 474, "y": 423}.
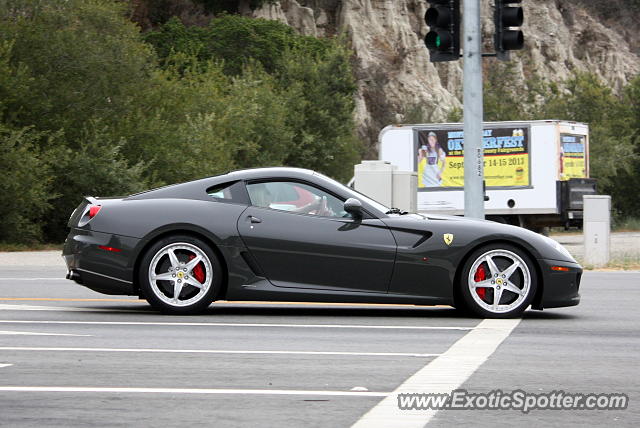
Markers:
{"x": 353, "y": 207}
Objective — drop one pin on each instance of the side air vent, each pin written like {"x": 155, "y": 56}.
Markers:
{"x": 252, "y": 263}
{"x": 422, "y": 239}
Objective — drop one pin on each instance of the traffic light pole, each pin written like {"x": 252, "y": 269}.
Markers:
{"x": 473, "y": 150}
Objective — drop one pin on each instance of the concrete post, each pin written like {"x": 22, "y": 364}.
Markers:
{"x": 597, "y": 229}
{"x": 472, "y": 97}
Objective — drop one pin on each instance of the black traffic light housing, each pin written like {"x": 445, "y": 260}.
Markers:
{"x": 443, "y": 39}
{"x": 507, "y": 16}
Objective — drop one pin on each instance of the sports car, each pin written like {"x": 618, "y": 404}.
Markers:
{"x": 288, "y": 234}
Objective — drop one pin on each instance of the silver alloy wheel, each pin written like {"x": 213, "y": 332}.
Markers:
{"x": 512, "y": 282}
{"x": 182, "y": 258}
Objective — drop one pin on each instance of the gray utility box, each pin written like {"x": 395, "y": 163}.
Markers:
{"x": 383, "y": 182}
{"x": 597, "y": 227}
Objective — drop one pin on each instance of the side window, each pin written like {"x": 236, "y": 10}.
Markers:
{"x": 296, "y": 198}
{"x": 228, "y": 192}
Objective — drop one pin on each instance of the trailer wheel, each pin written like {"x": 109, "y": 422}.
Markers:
{"x": 498, "y": 219}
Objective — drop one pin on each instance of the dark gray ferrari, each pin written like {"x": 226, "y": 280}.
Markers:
{"x": 287, "y": 234}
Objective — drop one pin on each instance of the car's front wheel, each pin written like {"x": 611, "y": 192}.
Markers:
{"x": 180, "y": 275}
{"x": 498, "y": 281}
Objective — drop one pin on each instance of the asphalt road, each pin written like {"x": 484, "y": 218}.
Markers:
{"x": 71, "y": 357}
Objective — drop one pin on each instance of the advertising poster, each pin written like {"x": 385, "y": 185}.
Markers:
{"x": 440, "y": 158}
{"x": 572, "y": 156}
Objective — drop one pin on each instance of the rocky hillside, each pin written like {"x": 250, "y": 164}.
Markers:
{"x": 392, "y": 64}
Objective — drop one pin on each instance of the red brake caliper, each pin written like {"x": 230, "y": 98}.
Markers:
{"x": 480, "y": 275}
{"x": 198, "y": 271}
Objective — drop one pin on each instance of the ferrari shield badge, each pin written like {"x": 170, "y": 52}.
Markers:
{"x": 448, "y": 238}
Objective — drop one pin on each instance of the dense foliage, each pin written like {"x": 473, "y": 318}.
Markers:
{"x": 90, "y": 106}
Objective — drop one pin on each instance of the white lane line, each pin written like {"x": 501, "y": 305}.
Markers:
{"x": 31, "y": 333}
{"x": 214, "y": 351}
{"x": 5, "y": 365}
{"x": 4, "y": 307}
{"x": 442, "y": 375}
{"x": 228, "y": 324}
{"x": 190, "y": 391}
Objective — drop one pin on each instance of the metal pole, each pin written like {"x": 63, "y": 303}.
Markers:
{"x": 473, "y": 151}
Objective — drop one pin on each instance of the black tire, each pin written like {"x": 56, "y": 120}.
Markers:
{"x": 510, "y": 303}
{"x": 160, "y": 292}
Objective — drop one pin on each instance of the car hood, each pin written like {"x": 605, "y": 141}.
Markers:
{"x": 472, "y": 232}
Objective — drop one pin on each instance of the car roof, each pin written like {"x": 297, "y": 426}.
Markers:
{"x": 268, "y": 172}
{"x": 196, "y": 189}
{"x": 193, "y": 189}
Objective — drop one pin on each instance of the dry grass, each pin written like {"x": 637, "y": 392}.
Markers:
{"x": 627, "y": 224}
{"x": 628, "y": 261}
{"x": 8, "y": 247}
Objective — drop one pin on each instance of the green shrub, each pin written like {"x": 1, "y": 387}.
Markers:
{"x": 587, "y": 99}
{"x": 320, "y": 90}
{"x": 25, "y": 190}
{"x": 311, "y": 77}
{"x": 95, "y": 168}
{"x": 83, "y": 58}
{"x": 101, "y": 113}
{"x": 235, "y": 40}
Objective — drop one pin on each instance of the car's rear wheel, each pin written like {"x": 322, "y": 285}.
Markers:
{"x": 498, "y": 281}
{"x": 180, "y": 275}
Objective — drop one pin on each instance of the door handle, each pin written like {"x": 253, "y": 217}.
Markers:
{"x": 254, "y": 219}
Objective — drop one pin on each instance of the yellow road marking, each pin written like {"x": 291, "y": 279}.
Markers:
{"x": 53, "y": 299}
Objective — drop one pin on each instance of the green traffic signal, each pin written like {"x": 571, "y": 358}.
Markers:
{"x": 439, "y": 42}
{"x": 443, "y": 39}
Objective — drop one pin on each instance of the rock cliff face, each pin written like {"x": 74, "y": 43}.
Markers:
{"x": 392, "y": 64}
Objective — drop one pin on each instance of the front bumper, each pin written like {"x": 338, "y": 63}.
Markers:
{"x": 560, "y": 288}
{"x": 93, "y": 266}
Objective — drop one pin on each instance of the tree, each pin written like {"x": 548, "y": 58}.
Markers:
{"x": 101, "y": 113}
{"x": 69, "y": 72}
{"x": 320, "y": 91}
{"x": 24, "y": 191}
{"x": 625, "y": 185}
{"x": 587, "y": 99}
{"x": 233, "y": 39}
{"x": 312, "y": 77}
{"x": 84, "y": 61}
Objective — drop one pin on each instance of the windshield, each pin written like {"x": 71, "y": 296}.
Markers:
{"x": 355, "y": 194}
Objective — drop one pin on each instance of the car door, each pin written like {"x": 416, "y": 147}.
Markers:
{"x": 301, "y": 237}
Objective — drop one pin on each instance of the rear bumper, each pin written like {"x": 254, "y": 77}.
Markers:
{"x": 100, "y": 261}
{"x": 560, "y": 288}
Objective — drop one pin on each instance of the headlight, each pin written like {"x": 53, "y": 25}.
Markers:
{"x": 560, "y": 249}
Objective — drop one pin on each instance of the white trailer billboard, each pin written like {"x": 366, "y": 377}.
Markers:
{"x": 535, "y": 171}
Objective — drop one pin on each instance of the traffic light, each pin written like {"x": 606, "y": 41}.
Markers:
{"x": 443, "y": 39}
{"x": 507, "y": 16}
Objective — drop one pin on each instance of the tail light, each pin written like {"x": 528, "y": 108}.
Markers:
{"x": 93, "y": 210}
